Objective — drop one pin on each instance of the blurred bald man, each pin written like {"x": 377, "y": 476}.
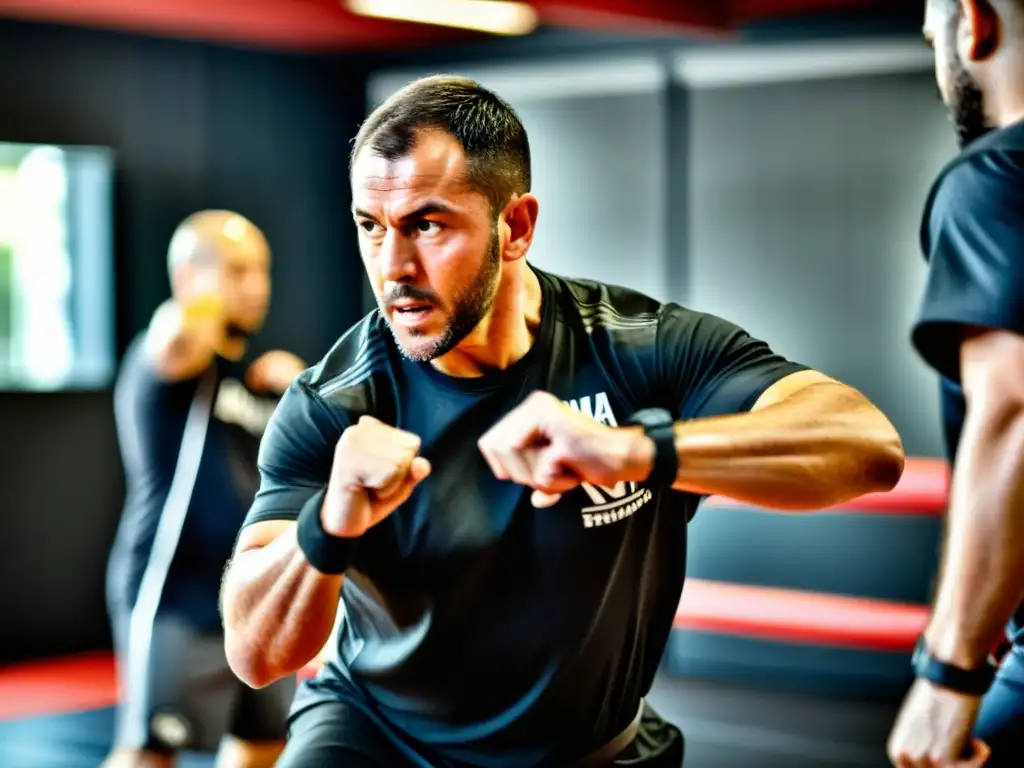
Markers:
{"x": 191, "y": 409}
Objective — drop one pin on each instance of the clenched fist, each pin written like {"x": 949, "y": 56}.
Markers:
{"x": 274, "y": 372}
{"x": 376, "y": 468}
{"x": 934, "y": 728}
{"x": 547, "y": 446}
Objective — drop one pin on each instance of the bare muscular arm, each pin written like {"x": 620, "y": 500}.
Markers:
{"x": 809, "y": 442}
{"x": 278, "y": 610}
{"x": 982, "y": 576}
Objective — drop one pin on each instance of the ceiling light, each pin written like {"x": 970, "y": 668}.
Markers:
{"x": 498, "y": 17}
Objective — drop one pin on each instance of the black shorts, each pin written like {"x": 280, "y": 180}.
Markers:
{"x": 178, "y": 692}
{"x": 339, "y": 733}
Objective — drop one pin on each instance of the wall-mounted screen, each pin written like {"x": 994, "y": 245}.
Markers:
{"x": 56, "y": 267}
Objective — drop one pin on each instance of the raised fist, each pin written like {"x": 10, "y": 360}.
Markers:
{"x": 547, "y": 446}
{"x": 376, "y": 467}
{"x": 274, "y": 372}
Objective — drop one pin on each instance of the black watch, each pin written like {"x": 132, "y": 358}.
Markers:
{"x": 973, "y": 682}
{"x": 659, "y": 426}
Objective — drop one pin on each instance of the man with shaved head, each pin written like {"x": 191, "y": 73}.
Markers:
{"x": 190, "y": 409}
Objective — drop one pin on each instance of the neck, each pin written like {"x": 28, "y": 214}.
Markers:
{"x": 1007, "y": 105}
{"x": 1013, "y": 115}
{"x": 508, "y": 331}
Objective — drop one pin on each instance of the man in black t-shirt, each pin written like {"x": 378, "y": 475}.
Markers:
{"x": 190, "y": 412}
{"x": 492, "y": 474}
{"x": 970, "y": 329}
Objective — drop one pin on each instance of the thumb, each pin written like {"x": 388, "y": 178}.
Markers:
{"x": 398, "y": 488}
{"x": 419, "y": 470}
{"x": 542, "y": 500}
{"x": 979, "y": 755}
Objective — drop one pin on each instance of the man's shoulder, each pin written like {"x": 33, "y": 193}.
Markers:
{"x": 1007, "y": 141}
{"x": 633, "y": 321}
{"x": 989, "y": 165}
{"x": 351, "y": 364}
{"x": 985, "y": 171}
{"x": 606, "y": 305}
{"x": 135, "y": 354}
{"x": 137, "y": 376}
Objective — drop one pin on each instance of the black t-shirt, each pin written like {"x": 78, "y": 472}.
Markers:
{"x": 972, "y": 236}
{"x": 478, "y": 629}
{"x": 151, "y": 416}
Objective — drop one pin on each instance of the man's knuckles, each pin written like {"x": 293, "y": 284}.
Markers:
{"x": 541, "y": 399}
{"x": 370, "y": 434}
{"x": 372, "y": 439}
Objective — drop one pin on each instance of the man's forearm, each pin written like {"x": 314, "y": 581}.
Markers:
{"x": 982, "y": 576}
{"x": 820, "y": 446}
{"x": 278, "y": 611}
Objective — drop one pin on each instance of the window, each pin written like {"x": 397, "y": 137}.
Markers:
{"x": 56, "y": 267}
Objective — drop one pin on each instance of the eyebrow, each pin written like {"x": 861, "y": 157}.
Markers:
{"x": 427, "y": 209}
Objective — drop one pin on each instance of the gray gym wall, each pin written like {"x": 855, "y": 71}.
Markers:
{"x": 807, "y": 175}
{"x": 779, "y": 186}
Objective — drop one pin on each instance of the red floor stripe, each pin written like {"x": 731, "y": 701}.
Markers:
{"x": 59, "y": 686}
{"x": 791, "y": 616}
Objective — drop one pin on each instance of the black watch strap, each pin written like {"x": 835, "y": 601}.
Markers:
{"x": 659, "y": 426}
{"x": 973, "y": 682}
{"x": 328, "y": 554}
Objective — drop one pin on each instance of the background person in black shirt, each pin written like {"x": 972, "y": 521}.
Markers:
{"x": 458, "y": 472}
{"x": 190, "y": 412}
{"x": 970, "y": 328}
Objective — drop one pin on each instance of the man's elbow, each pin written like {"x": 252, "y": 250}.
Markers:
{"x": 880, "y": 453}
{"x": 870, "y": 447}
{"x": 244, "y": 655}
{"x": 248, "y": 659}
{"x": 247, "y": 663}
{"x": 884, "y": 468}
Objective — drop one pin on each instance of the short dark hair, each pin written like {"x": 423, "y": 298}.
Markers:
{"x": 488, "y": 129}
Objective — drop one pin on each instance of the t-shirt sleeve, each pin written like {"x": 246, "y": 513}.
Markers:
{"x": 712, "y": 367}
{"x": 973, "y": 238}
{"x": 295, "y": 454}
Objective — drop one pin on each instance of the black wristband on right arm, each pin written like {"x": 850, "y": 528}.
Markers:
{"x": 330, "y": 555}
{"x": 659, "y": 425}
